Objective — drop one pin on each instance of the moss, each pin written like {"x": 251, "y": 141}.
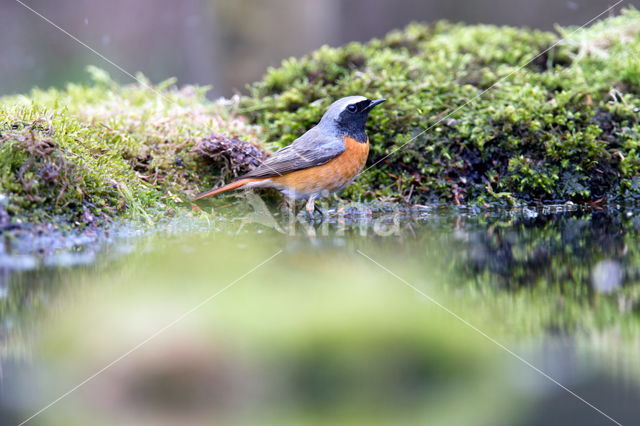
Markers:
{"x": 482, "y": 122}
{"x": 91, "y": 153}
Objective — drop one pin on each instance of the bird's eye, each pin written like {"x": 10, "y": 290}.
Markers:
{"x": 352, "y": 108}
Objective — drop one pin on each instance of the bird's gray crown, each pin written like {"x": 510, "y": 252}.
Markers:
{"x": 336, "y": 108}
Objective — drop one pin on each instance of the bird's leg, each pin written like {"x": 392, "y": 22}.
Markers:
{"x": 311, "y": 205}
{"x": 318, "y": 209}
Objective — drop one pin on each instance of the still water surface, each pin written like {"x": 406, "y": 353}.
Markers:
{"x": 392, "y": 315}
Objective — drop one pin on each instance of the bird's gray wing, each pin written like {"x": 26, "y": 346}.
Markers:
{"x": 311, "y": 149}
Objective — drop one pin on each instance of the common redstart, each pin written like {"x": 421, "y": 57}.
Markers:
{"x": 323, "y": 160}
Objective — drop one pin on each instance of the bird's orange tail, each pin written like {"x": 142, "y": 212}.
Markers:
{"x": 233, "y": 185}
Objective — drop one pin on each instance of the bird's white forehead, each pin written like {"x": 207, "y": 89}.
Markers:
{"x": 338, "y": 106}
{"x": 343, "y": 102}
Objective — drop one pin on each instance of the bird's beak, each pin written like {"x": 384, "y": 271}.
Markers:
{"x": 374, "y": 103}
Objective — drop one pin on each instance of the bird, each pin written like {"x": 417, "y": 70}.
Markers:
{"x": 322, "y": 161}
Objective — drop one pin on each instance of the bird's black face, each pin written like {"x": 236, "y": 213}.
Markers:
{"x": 354, "y": 116}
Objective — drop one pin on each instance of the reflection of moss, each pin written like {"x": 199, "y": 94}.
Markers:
{"x": 564, "y": 126}
{"x": 90, "y": 152}
{"x": 547, "y": 264}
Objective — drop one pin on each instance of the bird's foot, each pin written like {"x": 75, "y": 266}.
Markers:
{"x": 311, "y": 207}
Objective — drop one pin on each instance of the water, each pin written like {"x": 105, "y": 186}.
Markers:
{"x": 376, "y": 315}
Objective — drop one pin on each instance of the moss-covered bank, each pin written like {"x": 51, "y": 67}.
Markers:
{"x": 499, "y": 125}
{"x": 96, "y": 152}
{"x": 498, "y": 128}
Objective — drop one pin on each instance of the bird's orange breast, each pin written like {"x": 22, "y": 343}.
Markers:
{"x": 331, "y": 176}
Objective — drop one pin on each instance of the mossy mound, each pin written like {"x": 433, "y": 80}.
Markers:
{"x": 564, "y": 126}
{"x": 96, "y": 152}
{"x": 499, "y": 126}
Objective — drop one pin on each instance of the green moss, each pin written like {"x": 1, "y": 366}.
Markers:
{"x": 563, "y": 127}
{"x": 480, "y": 120}
{"x": 96, "y": 152}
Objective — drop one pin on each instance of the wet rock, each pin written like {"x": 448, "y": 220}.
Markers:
{"x": 5, "y": 219}
{"x": 607, "y": 276}
{"x": 70, "y": 258}
{"x": 21, "y": 262}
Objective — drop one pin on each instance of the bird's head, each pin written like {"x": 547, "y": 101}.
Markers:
{"x": 348, "y": 115}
